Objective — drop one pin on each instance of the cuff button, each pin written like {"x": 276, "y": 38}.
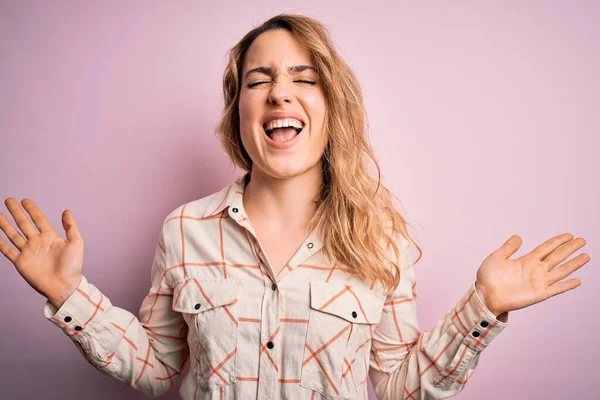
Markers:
{"x": 197, "y": 306}
{"x": 476, "y": 334}
{"x": 78, "y": 328}
{"x": 67, "y": 319}
{"x": 484, "y": 324}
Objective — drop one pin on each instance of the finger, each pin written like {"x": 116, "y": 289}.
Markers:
{"x": 70, "y": 226}
{"x": 509, "y": 247}
{"x": 561, "y": 287}
{"x": 8, "y": 251}
{"x": 563, "y": 252}
{"x": 568, "y": 268}
{"x": 11, "y": 233}
{"x": 38, "y": 217}
{"x": 20, "y": 218}
{"x": 550, "y": 245}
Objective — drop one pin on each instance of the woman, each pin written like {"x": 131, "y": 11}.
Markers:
{"x": 295, "y": 280}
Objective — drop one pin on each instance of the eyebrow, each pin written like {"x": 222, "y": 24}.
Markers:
{"x": 269, "y": 71}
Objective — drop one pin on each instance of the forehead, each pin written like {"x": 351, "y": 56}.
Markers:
{"x": 275, "y": 48}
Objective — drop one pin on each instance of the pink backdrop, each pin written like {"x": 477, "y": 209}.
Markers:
{"x": 484, "y": 116}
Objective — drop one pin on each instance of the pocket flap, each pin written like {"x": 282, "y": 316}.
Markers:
{"x": 193, "y": 296}
{"x": 356, "y": 304}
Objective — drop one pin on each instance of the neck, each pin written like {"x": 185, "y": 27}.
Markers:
{"x": 283, "y": 203}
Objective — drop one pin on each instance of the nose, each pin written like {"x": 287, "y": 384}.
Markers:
{"x": 280, "y": 93}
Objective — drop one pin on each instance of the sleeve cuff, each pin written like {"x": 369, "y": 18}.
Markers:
{"x": 85, "y": 307}
{"x": 475, "y": 322}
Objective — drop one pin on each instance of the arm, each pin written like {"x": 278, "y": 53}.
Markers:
{"x": 407, "y": 363}
{"x": 146, "y": 354}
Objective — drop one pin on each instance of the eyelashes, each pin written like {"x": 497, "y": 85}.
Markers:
{"x": 311, "y": 83}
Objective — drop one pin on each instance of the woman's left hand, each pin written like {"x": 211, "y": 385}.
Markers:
{"x": 507, "y": 285}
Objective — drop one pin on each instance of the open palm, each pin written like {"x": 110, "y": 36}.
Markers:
{"x": 51, "y": 265}
{"x": 507, "y": 285}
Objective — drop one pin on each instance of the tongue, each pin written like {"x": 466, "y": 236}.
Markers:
{"x": 283, "y": 134}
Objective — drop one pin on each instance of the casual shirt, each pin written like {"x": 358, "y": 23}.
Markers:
{"x": 314, "y": 331}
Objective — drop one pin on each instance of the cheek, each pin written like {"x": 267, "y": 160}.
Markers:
{"x": 316, "y": 107}
{"x": 250, "y": 111}
{"x": 314, "y": 101}
{"x": 244, "y": 109}
{"x": 248, "y": 108}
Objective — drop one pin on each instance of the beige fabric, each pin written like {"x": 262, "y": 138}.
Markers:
{"x": 214, "y": 297}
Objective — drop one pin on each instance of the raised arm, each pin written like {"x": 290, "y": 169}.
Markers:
{"x": 436, "y": 364}
{"x": 407, "y": 363}
{"x": 146, "y": 353}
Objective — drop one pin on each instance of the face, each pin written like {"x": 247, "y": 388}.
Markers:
{"x": 278, "y": 83}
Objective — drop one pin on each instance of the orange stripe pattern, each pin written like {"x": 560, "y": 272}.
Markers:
{"x": 309, "y": 331}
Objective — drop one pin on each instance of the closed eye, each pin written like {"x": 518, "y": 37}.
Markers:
{"x": 305, "y": 81}
{"x": 253, "y": 84}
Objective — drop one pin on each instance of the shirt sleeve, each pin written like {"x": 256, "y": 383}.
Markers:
{"x": 146, "y": 353}
{"x": 406, "y": 363}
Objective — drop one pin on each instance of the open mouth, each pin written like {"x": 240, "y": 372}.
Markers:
{"x": 270, "y": 131}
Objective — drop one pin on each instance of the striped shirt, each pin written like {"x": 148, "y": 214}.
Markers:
{"x": 314, "y": 331}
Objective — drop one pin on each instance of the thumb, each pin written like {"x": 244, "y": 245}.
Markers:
{"x": 70, "y": 226}
{"x": 509, "y": 247}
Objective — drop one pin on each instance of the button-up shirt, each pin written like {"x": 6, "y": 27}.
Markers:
{"x": 314, "y": 331}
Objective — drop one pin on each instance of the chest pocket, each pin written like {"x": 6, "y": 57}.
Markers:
{"x": 340, "y": 326}
{"x": 210, "y": 308}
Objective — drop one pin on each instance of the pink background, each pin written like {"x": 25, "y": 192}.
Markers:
{"x": 484, "y": 116}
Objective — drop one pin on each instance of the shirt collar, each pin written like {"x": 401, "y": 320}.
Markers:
{"x": 229, "y": 196}
{"x": 232, "y": 196}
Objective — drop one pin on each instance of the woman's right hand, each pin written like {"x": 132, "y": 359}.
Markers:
{"x": 51, "y": 265}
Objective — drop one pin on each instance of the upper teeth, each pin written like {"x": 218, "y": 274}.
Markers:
{"x": 284, "y": 123}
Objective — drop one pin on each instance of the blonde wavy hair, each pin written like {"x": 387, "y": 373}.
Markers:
{"x": 354, "y": 209}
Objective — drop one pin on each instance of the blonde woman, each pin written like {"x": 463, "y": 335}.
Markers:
{"x": 294, "y": 281}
